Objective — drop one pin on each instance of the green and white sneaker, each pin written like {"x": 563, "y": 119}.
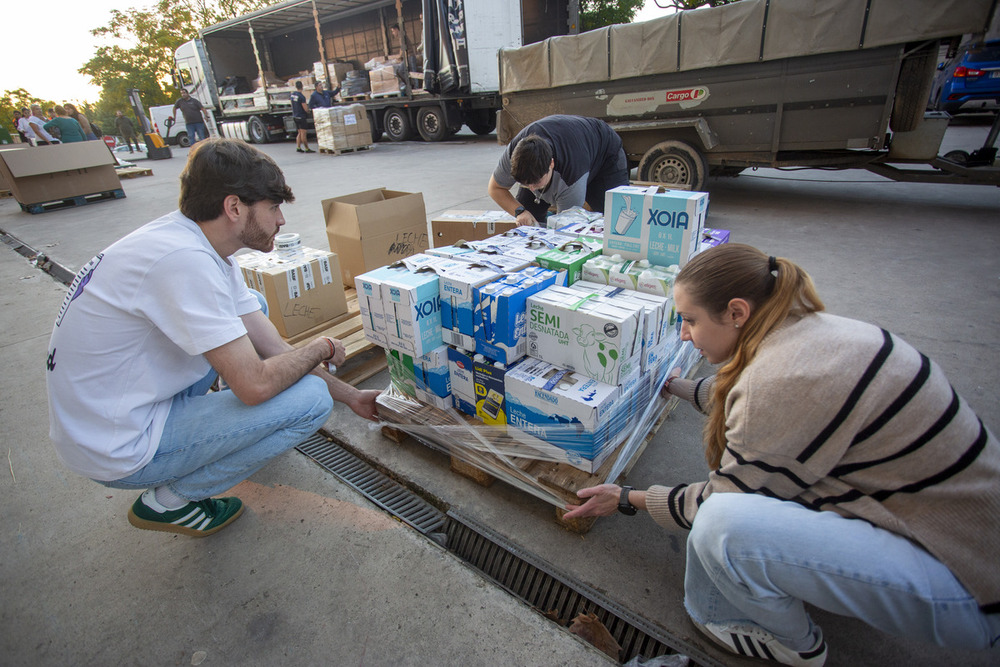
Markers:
{"x": 755, "y": 642}
{"x": 197, "y": 518}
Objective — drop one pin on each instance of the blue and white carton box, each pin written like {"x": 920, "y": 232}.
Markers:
{"x": 433, "y": 381}
{"x": 501, "y": 324}
{"x": 662, "y": 226}
{"x": 458, "y": 285}
{"x": 489, "y": 379}
{"x": 587, "y": 333}
{"x": 412, "y": 303}
{"x": 369, "y": 289}
{"x": 569, "y": 410}
{"x": 463, "y": 386}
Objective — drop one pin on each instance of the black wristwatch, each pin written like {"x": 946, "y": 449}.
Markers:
{"x": 624, "y": 506}
{"x": 518, "y": 211}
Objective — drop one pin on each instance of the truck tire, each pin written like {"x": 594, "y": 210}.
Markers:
{"x": 482, "y": 121}
{"x": 183, "y": 140}
{"x": 397, "y": 124}
{"x": 257, "y": 130}
{"x": 432, "y": 124}
{"x": 673, "y": 163}
{"x": 913, "y": 89}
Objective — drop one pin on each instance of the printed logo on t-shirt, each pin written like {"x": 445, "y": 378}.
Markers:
{"x": 78, "y": 285}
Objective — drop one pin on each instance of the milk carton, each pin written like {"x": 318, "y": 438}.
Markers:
{"x": 500, "y": 324}
{"x": 658, "y": 280}
{"x": 496, "y": 259}
{"x": 402, "y": 375}
{"x": 458, "y": 304}
{"x": 463, "y": 388}
{"x": 626, "y": 273}
{"x": 432, "y": 379}
{"x": 566, "y": 409}
{"x": 569, "y": 258}
{"x": 412, "y": 304}
{"x": 586, "y": 333}
{"x": 489, "y": 380}
{"x": 369, "y": 289}
{"x": 662, "y": 226}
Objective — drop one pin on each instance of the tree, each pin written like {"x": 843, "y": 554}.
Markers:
{"x": 599, "y": 13}
{"x": 691, "y": 4}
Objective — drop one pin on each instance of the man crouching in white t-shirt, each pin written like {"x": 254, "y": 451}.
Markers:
{"x": 147, "y": 326}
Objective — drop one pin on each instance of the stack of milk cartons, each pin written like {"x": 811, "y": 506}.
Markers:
{"x": 654, "y": 224}
{"x": 400, "y": 307}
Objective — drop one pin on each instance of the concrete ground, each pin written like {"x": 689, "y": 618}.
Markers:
{"x": 314, "y": 574}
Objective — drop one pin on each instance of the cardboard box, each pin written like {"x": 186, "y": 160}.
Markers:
{"x": 500, "y": 317}
{"x": 663, "y": 226}
{"x": 569, "y": 258}
{"x": 432, "y": 378}
{"x": 596, "y": 336}
{"x": 301, "y": 293}
{"x": 60, "y": 171}
{"x": 373, "y": 228}
{"x": 458, "y": 286}
{"x": 412, "y": 304}
{"x": 488, "y": 379}
{"x": 450, "y": 227}
{"x": 463, "y": 387}
{"x": 402, "y": 374}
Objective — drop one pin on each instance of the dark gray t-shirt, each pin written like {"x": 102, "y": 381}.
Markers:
{"x": 191, "y": 108}
{"x": 581, "y": 147}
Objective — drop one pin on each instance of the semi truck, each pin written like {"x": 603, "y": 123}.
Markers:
{"x": 239, "y": 69}
{"x": 760, "y": 83}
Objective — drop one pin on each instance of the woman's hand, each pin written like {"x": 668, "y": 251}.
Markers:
{"x": 600, "y": 501}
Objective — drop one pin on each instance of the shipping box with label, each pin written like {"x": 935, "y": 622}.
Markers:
{"x": 373, "y": 228}
{"x": 60, "y": 171}
{"x": 450, "y": 227}
{"x": 663, "y": 226}
{"x": 586, "y": 333}
{"x": 301, "y": 293}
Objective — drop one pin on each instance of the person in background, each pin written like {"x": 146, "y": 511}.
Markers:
{"x": 68, "y": 128}
{"x": 74, "y": 113}
{"x": 36, "y": 125}
{"x": 564, "y": 161}
{"x": 300, "y": 114}
{"x": 322, "y": 97}
{"x": 846, "y": 473}
{"x": 150, "y": 323}
{"x": 126, "y": 128}
{"x": 17, "y": 126}
{"x": 195, "y": 116}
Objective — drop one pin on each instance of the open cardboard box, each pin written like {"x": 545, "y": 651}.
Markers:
{"x": 36, "y": 175}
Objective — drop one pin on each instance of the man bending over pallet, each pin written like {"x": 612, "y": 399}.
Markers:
{"x": 151, "y": 322}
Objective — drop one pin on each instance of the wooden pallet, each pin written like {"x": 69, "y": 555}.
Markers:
{"x": 340, "y": 151}
{"x": 69, "y": 202}
{"x": 354, "y": 98}
{"x": 561, "y": 479}
{"x": 381, "y": 95}
{"x": 133, "y": 172}
{"x": 4, "y": 194}
{"x": 364, "y": 358}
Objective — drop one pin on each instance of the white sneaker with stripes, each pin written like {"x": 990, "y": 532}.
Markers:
{"x": 755, "y": 642}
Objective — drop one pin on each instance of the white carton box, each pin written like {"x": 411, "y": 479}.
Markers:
{"x": 458, "y": 285}
{"x": 500, "y": 316}
{"x": 463, "y": 388}
{"x": 587, "y": 334}
{"x": 663, "y": 226}
{"x": 412, "y": 304}
{"x": 433, "y": 381}
{"x": 369, "y": 288}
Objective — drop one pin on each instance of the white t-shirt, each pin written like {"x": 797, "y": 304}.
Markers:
{"x": 132, "y": 333}
{"x": 40, "y": 133}
{"x": 24, "y": 126}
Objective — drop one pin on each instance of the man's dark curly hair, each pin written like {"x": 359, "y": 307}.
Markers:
{"x": 530, "y": 159}
{"x": 217, "y": 168}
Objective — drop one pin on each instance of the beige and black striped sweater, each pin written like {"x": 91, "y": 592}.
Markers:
{"x": 840, "y": 415}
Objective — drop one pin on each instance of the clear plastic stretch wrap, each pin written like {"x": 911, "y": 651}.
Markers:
{"x": 602, "y": 449}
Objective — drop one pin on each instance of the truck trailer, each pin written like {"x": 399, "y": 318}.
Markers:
{"x": 243, "y": 69}
{"x": 760, "y": 83}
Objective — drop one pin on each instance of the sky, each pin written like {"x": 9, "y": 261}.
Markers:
{"x": 43, "y": 58}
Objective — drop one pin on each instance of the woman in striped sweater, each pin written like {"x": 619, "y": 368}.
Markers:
{"x": 845, "y": 473}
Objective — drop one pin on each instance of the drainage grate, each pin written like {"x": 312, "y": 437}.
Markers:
{"x": 46, "y": 264}
{"x": 517, "y": 571}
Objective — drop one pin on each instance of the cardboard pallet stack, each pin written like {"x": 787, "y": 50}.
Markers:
{"x": 540, "y": 363}
{"x": 342, "y": 128}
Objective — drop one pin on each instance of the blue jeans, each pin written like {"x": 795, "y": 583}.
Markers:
{"x": 212, "y": 442}
{"x": 753, "y": 559}
{"x": 196, "y": 131}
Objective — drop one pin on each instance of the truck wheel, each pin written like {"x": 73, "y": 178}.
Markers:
{"x": 482, "y": 122}
{"x": 183, "y": 140}
{"x": 913, "y": 89}
{"x": 673, "y": 163}
{"x": 397, "y": 124}
{"x": 432, "y": 124}
{"x": 257, "y": 131}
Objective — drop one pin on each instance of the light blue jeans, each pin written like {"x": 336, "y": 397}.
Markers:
{"x": 753, "y": 559}
{"x": 212, "y": 442}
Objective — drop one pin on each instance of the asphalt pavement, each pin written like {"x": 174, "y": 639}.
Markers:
{"x": 315, "y": 574}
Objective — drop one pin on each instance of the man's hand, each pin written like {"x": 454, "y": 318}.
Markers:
{"x": 526, "y": 219}
{"x": 363, "y": 404}
{"x": 340, "y": 352}
{"x": 600, "y": 501}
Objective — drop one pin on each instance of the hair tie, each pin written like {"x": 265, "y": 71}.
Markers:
{"x": 772, "y": 264}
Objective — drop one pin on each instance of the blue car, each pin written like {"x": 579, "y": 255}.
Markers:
{"x": 970, "y": 81}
